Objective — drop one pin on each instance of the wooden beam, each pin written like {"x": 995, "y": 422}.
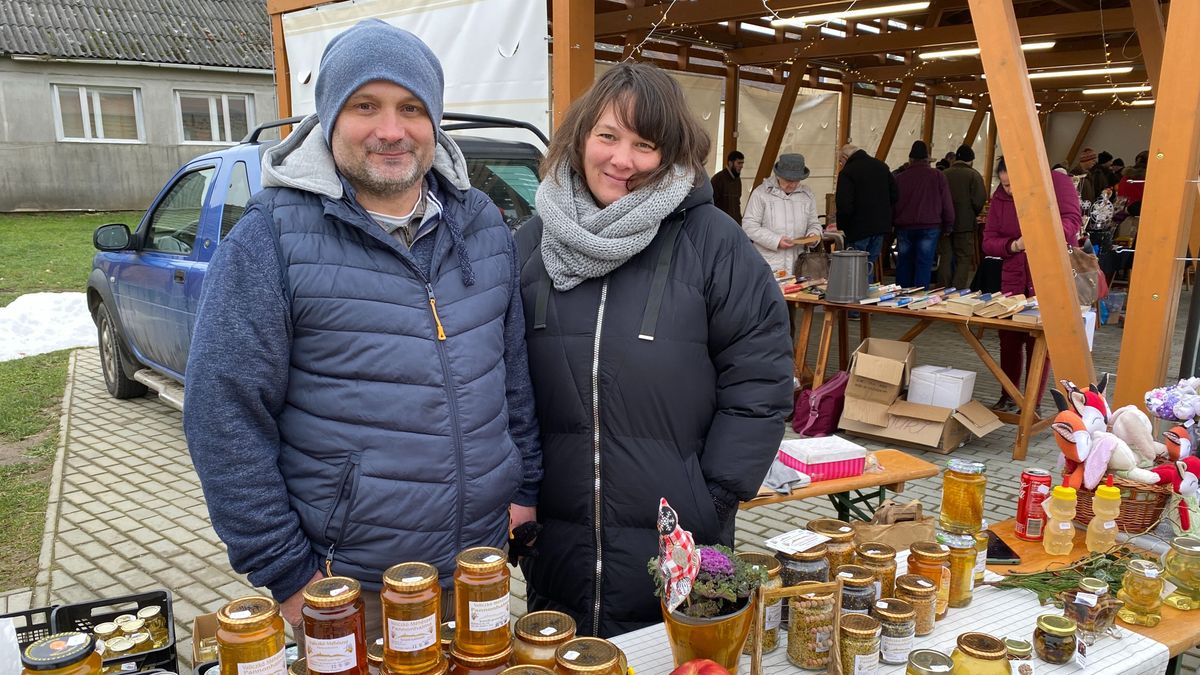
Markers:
{"x": 1057, "y": 25}
{"x": 732, "y": 86}
{"x": 893, "y": 123}
{"x": 1194, "y": 244}
{"x": 696, "y": 13}
{"x": 927, "y": 119}
{"x": 1033, "y": 189}
{"x": 989, "y": 154}
{"x": 971, "y": 65}
{"x": 1044, "y": 122}
{"x": 971, "y": 88}
{"x": 976, "y": 123}
{"x": 1167, "y": 211}
{"x": 574, "y": 61}
{"x": 1080, "y": 138}
{"x": 283, "y": 74}
{"x": 1148, "y": 19}
{"x": 845, "y": 111}
{"x": 779, "y": 126}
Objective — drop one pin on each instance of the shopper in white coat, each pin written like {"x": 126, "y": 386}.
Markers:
{"x": 780, "y": 212}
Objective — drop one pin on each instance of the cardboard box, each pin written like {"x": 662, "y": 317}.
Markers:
{"x": 879, "y": 369}
{"x": 941, "y": 386}
{"x": 940, "y": 429}
{"x": 203, "y": 626}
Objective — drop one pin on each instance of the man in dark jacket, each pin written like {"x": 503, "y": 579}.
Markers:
{"x": 727, "y": 186}
{"x": 956, "y": 264}
{"x": 923, "y": 215}
{"x": 865, "y": 194}
{"x": 358, "y": 386}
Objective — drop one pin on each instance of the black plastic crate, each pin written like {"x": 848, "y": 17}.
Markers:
{"x": 84, "y": 616}
{"x": 31, "y": 624}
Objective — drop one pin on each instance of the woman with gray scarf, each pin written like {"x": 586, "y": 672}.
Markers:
{"x": 658, "y": 347}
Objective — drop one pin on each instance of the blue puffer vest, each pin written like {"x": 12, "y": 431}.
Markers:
{"x": 394, "y": 444}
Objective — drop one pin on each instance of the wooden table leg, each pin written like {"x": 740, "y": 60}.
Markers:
{"x": 823, "y": 347}
{"x": 843, "y": 321}
{"x": 802, "y": 336}
{"x": 864, "y": 325}
{"x": 994, "y": 368}
{"x": 916, "y": 330}
{"x": 1029, "y": 402}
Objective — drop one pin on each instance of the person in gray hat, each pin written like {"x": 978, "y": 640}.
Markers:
{"x": 781, "y": 212}
{"x": 358, "y": 391}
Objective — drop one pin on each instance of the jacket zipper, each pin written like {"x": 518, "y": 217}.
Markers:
{"x": 597, "y": 501}
{"x": 454, "y": 421}
{"x": 347, "y": 476}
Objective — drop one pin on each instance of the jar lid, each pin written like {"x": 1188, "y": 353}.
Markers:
{"x": 768, "y": 562}
{"x": 123, "y": 618}
{"x": 814, "y": 595}
{"x": 1109, "y": 492}
{"x": 893, "y": 609}
{"x": 929, "y": 662}
{"x": 482, "y": 560}
{"x": 149, "y": 612}
{"x": 249, "y": 612}
{"x": 410, "y": 576}
{"x": 837, "y": 530}
{"x": 930, "y": 550}
{"x": 60, "y": 650}
{"x": 587, "y": 654}
{"x": 105, "y": 630}
{"x": 855, "y": 575}
{"x": 298, "y": 667}
{"x": 982, "y": 646}
{"x": 447, "y": 635}
{"x": 817, "y": 552}
{"x": 959, "y": 465}
{"x": 139, "y": 638}
{"x": 527, "y": 670}
{"x": 1145, "y": 568}
{"x": 915, "y": 583}
{"x": 119, "y": 644}
{"x": 1093, "y": 585}
{"x": 375, "y": 651}
{"x": 860, "y": 625}
{"x": 131, "y": 627}
{"x": 489, "y": 661}
{"x": 1186, "y": 545}
{"x": 876, "y": 551}
{"x": 956, "y": 540}
{"x": 332, "y": 592}
{"x": 1018, "y": 647}
{"x": 545, "y": 627}
{"x": 1063, "y": 492}
{"x": 1056, "y": 625}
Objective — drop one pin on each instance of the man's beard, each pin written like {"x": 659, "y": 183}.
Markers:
{"x": 366, "y": 177}
{"x": 735, "y": 172}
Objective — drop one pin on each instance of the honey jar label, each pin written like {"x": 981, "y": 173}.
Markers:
{"x": 866, "y": 664}
{"x": 488, "y": 615}
{"x": 272, "y": 665}
{"x": 774, "y": 615}
{"x": 333, "y": 655}
{"x": 412, "y": 636}
{"x": 895, "y": 649}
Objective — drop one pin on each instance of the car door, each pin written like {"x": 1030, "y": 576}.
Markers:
{"x": 152, "y": 292}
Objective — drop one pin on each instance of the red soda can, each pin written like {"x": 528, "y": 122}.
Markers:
{"x": 1031, "y": 518}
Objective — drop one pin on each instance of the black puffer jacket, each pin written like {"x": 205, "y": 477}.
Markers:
{"x": 694, "y": 414}
{"x": 865, "y": 194}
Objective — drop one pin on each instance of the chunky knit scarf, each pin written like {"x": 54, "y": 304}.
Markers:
{"x": 582, "y": 241}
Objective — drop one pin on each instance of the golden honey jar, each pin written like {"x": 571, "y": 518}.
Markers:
{"x": 250, "y": 637}
{"x": 481, "y": 602}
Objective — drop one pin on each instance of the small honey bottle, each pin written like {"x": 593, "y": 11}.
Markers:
{"x": 250, "y": 637}
{"x": 481, "y": 602}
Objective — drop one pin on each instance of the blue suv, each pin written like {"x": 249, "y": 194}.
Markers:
{"x": 144, "y": 286}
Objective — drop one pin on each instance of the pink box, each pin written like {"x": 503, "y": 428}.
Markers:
{"x": 824, "y": 458}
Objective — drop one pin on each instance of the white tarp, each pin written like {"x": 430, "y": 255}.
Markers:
{"x": 811, "y": 131}
{"x": 493, "y": 52}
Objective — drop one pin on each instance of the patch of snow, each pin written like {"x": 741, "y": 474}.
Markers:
{"x": 37, "y": 323}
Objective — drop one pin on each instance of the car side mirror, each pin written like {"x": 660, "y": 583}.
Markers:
{"x": 112, "y": 237}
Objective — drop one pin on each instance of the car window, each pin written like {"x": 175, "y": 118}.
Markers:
{"x": 236, "y": 198}
{"x": 511, "y": 184}
{"x": 175, "y": 221}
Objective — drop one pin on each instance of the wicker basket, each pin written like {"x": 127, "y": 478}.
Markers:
{"x": 1141, "y": 505}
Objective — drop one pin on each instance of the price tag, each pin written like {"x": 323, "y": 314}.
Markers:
{"x": 1110, "y": 524}
{"x": 411, "y": 580}
{"x": 243, "y": 614}
{"x": 1168, "y": 588}
{"x": 338, "y": 591}
{"x": 548, "y": 630}
{"x": 1081, "y": 654}
{"x": 1088, "y": 599}
{"x": 1065, "y": 525}
{"x": 491, "y": 558}
{"x": 571, "y": 655}
{"x": 846, "y": 575}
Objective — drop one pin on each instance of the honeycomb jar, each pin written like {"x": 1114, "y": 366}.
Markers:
{"x": 411, "y": 602}
{"x": 587, "y": 656}
{"x": 538, "y": 636}
{"x": 932, "y": 561}
{"x": 71, "y": 653}
{"x": 881, "y": 560}
{"x": 839, "y": 550}
{"x": 335, "y": 630}
{"x": 964, "y": 484}
{"x": 921, "y": 593}
{"x": 774, "y": 612}
{"x": 481, "y": 602}
{"x": 980, "y": 654}
{"x": 962, "y": 567}
{"x": 250, "y": 637}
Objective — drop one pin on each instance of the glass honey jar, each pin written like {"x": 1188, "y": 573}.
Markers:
{"x": 335, "y": 641}
{"x": 411, "y": 602}
{"x": 527, "y": 670}
{"x": 858, "y": 589}
{"x": 928, "y": 662}
{"x": 298, "y": 667}
{"x": 1054, "y": 639}
{"x": 465, "y": 664}
{"x": 156, "y": 625}
{"x": 1141, "y": 591}
{"x": 858, "y": 644}
{"x": 921, "y": 593}
{"x": 881, "y": 560}
{"x": 375, "y": 657}
{"x": 932, "y": 561}
{"x": 70, "y": 653}
{"x": 962, "y": 567}
{"x": 1182, "y": 565}
{"x": 963, "y": 486}
{"x": 105, "y": 631}
{"x": 132, "y": 626}
{"x": 481, "y": 600}
{"x": 839, "y": 550}
{"x": 538, "y": 636}
{"x": 587, "y": 656}
{"x": 140, "y": 642}
{"x": 980, "y": 654}
{"x": 773, "y": 615}
{"x": 447, "y": 637}
{"x": 250, "y": 637}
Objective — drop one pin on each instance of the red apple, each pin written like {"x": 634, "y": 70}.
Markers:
{"x": 700, "y": 667}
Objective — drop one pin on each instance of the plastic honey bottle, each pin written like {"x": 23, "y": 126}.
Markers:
{"x": 1106, "y": 505}
{"x": 1060, "y": 532}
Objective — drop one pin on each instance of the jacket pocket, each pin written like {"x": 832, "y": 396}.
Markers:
{"x": 343, "y": 501}
{"x": 704, "y": 501}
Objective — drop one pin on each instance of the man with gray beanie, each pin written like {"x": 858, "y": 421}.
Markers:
{"x": 956, "y": 253}
{"x": 358, "y": 390}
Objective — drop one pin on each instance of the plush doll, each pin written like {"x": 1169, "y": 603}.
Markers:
{"x": 1180, "y": 402}
{"x": 1178, "y": 442}
{"x": 1184, "y": 478}
{"x": 1133, "y": 426}
{"x": 1074, "y": 440}
{"x": 1090, "y": 405}
{"x": 1122, "y": 461}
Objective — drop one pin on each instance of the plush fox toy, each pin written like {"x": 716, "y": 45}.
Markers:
{"x": 1178, "y": 442}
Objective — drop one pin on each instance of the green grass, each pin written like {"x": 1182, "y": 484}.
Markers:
{"x": 49, "y": 251}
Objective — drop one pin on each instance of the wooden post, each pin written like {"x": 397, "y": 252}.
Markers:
{"x": 1080, "y": 138}
{"x": 1148, "y": 20}
{"x": 283, "y": 74}
{"x": 779, "y": 127}
{"x": 1166, "y": 213}
{"x": 845, "y": 108}
{"x": 893, "y": 123}
{"x": 1032, "y": 186}
{"x": 1044, "y": 123}
{"x": 733, "y": 77}
{"x": 574, "y": 33}
{"x": 989, "y": 154}
{"x": 976, "y": 123}
{"x": 927, "y": 122}
{"x": 1194, "y": 244}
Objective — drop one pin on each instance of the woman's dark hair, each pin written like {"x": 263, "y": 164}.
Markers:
{"x": 644, "y": 99}
{"x": 1000, "y": 165}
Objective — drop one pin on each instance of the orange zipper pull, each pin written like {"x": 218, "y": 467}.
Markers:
{"x": 438, "y": 321}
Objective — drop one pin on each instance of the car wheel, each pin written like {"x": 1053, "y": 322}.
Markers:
{"x": 111, "y": 353}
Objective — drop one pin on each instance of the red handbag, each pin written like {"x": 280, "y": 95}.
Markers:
{"x": 818, "y": 410}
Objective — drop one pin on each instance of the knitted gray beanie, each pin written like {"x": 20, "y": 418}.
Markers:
{"x": 373, "y": 50}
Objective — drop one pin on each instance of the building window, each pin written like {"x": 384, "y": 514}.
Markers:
{"x": 98, "y": 114}
{"x": 214, "y": 118}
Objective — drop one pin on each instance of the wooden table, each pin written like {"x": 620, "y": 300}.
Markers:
{"x": 971, "y": 328}
{"x": 898, "y": 467}
{"x": 1179, "y": 631}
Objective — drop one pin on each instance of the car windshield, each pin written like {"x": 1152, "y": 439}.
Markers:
{"x": 511, "y": 184}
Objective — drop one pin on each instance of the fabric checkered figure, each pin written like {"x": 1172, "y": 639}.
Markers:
{"x": 678, "y": 559}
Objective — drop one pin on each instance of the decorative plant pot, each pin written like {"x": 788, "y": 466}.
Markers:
{"x": 719, "y": 638}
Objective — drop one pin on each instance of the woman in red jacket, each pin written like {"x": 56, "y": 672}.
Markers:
{"x": 1002, "y": 238}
